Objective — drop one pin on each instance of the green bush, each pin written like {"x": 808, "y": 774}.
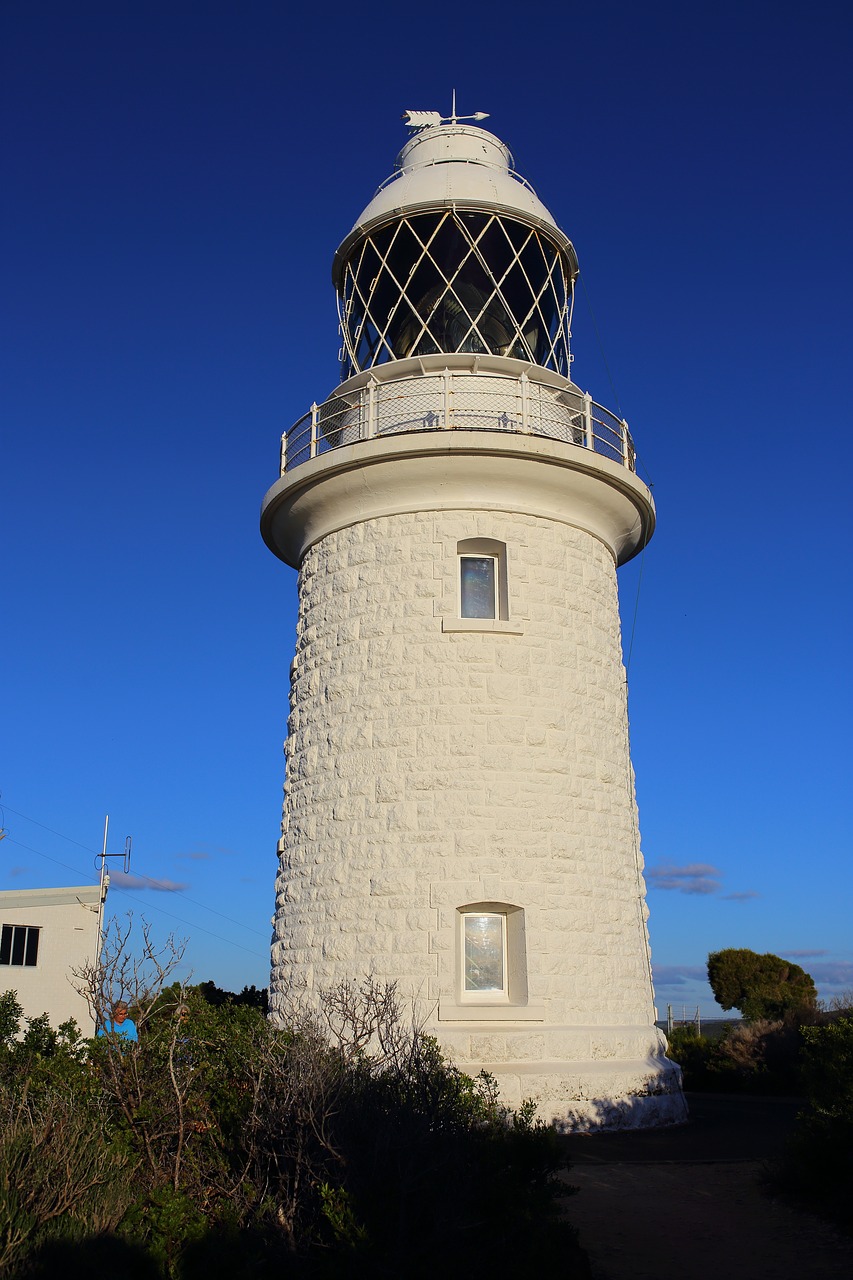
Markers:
{"x": 819, "y": 1161}
{"x": 757, "y": 1057}
{"x": 761, "y": 986}
{"x": 224, "y": 1146}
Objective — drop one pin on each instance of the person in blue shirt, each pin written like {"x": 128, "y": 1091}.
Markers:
{"x": 120, "y": 1025}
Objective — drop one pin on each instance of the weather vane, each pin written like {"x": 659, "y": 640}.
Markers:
{"x": 423, "y": 119}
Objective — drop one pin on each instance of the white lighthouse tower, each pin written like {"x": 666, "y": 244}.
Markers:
{"x": 459, "y": 810}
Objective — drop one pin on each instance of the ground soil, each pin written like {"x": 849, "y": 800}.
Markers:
{"x": 694, "y": 1201}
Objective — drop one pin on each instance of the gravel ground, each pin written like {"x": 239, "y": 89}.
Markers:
{"x": 693, "y": 1200}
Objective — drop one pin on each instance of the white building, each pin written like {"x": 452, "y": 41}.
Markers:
{"x": 45, "y": 934}
{"x": 459, "y": 807}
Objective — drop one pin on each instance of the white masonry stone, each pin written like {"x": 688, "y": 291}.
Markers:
{"x": 430, "y": 769}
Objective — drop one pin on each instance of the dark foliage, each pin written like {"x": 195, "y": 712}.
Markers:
{"x": 759, "y": 1057}
{"x": 761, "y": 986}
{"x": 251, "y": 997}
{"x": 222, "y": 1146}
{"x": 819, "y": 1164}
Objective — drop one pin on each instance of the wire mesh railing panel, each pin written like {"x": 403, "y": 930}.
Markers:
{"x": 550, "y": 417}
{"x": 607, "y": 433}
{"x": 409, "y": 406}
{"x": 338, "y": 423}
{"x": 297, "y": 444}
{"x": 446, "y": 399}
{"x": 482, "y": 403}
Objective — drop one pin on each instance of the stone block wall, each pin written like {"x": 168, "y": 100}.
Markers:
{"x": 430, "y": 767}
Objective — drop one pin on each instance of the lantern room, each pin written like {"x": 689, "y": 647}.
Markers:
{"x": 455, "y": 254}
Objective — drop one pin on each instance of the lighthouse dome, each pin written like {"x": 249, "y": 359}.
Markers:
{"x": 455, "y": 253}
{"x": 454, "y": 163}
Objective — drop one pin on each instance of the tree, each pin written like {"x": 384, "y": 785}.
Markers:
{"x": 760, "y": 986}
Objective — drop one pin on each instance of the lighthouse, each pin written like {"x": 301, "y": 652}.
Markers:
{"x": 459, "y": 815}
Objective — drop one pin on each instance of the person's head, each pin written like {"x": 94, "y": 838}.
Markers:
{"x": 119, "y": 1012}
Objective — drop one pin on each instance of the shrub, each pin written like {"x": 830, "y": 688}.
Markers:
{"x": 60, "y": 1176}
{"x": 221, "y": 1145}
{"x": 693, "y": 1053}
{"x": 756, "y": 1057}
{"x": 819, "y": 1161}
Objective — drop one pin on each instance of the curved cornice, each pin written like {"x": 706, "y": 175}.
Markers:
{"x": 457, "y": 470}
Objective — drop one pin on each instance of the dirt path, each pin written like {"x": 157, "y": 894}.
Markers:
{"x": 691, "y": 1201}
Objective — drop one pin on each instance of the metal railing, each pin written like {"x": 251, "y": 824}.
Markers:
{"x": 448, "y": 399}
{"x": 403, "y": 171}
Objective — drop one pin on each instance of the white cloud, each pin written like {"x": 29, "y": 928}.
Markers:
{"x": 678, "y": 975}
{"x": 696, "y": 877}
{"x": 123, "y": 880}
{"x": 833, "y": 973}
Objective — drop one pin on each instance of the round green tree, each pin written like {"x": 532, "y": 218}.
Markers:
{"x": 760, "y": 986}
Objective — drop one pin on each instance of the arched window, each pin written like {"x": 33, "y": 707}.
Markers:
{"x": 492, "y": 954}
{"x": 482, "y": 578}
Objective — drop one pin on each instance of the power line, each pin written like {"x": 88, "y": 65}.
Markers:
{"x": 118, "y": 888}
{"x": 39, "y": 854}
{"x": 158, "y": 884}
{"x": 36, "y": 823}
{"x": 152, "y": 906}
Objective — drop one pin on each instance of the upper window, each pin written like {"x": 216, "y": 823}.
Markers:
{"x": 478, "y": 587}
{"x": 482, "y": 572}
{"x": 19, "y": 944}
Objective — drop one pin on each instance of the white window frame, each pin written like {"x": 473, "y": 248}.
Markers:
{"x": 470, "y": 995}
{"x": 496, "y": 580}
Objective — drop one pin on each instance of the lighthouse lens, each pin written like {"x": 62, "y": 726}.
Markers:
{"x": 452, "y": 282}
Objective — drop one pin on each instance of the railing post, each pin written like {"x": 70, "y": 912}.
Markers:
{"x": 626, "y": 453}
{"x": 448, "y": 392}
{"x": 525, "y": 402}
{"x": 588, "y": 437}
{"x": 283, "y": 454}
{"x": 312, "y": 453}
{"x": 371, "y": 409}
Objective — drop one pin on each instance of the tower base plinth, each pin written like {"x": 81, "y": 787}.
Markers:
{"x": 620, "y": 1079}
{"x": 583, "y": 1097}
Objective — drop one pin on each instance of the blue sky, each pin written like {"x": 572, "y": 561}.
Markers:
{"x": 177, "y": 178}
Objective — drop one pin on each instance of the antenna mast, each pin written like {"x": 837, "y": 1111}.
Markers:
{"x": 105, "y": 879}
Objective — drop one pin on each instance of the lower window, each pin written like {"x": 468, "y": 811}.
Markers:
{"x": 485, "y": 961}
{"x": 19, "y": 944}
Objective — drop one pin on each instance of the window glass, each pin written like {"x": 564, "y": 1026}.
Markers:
{"x": 485, "y": 969}
{"x": 477, "y": 586}
{"x": 19, "y": 944}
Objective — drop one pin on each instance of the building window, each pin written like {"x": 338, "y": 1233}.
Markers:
{"x": 482, "y": 577}
{"x": 484, "y": 971}
{"x": 19, "y": 944}
{"x": 491, "y": 954}
{"x": 478, "y": 587}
